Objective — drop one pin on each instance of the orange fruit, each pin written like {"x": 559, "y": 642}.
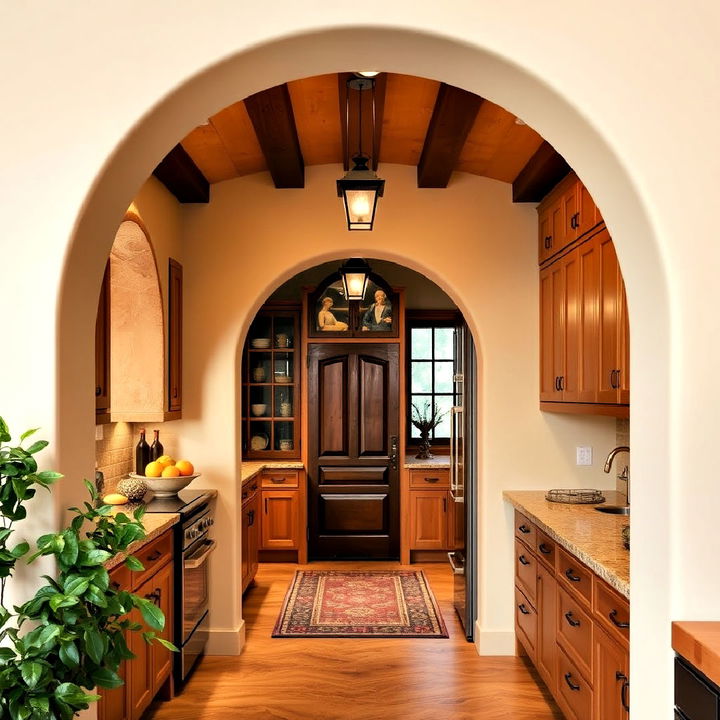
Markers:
{"x": 185, "y": 467}
{"x": 153, "y": 469}
{"x": 165, "y": 460}
{"x": 170, "y": 471}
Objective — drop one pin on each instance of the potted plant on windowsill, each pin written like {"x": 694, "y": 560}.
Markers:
{"x": 69, "y": 637}
{"x": 426, "y": 420}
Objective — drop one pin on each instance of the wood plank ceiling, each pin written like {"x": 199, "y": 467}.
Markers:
{"x": 436, "y": 127}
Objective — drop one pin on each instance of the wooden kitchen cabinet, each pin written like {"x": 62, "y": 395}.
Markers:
{"x": 250, "y": 532}
{"x": 611, "y": 678}
{"x": 175, "y": 333}
{"x": 546, "y": 655}
{"x": 102, "y": 351}
{"x": 429, "y": 520}
{"x": 279, "y": 526}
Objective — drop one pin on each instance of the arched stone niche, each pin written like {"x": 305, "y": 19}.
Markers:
{"x": 137, "y": 333}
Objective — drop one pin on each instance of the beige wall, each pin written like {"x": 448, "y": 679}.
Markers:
{"x": 69, "y": 175}
{"x": 251, "y": 237}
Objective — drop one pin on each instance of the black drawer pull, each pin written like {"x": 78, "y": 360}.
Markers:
{"x": 613, "y": 617}
{"x": 571, "y": 576}
{"x": 524, "y": 529}
{"x": 523, "y": 560}
{"x": 153, "y": 556}
{"x": 251, "y": 518}
{"x": 571, "y": 685}
{"x": 545, "y": 549}
{"x": 624, "y": 690}
{"x": 432, "y": 480}
{"x": 98, "y": 391}
{"x": 523, "y": 609}
{"x": 569, "y": 618}
{"x": 277, "y": 480}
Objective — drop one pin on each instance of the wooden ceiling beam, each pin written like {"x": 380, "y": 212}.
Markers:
{"x": 452, "y": 119}
{"x": 371, "y": 131}
{"x": 545, "y": 169}
{"x": 182, "y": 177}
{"x": 272, "y": 117}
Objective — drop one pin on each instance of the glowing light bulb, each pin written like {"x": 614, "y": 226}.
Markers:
{"x": 360, "y": 206}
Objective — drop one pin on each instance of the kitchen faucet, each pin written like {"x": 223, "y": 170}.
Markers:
{"x": 624, "y": 475}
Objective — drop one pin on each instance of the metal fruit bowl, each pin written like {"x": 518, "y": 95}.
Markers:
{"x": 166, "y": 486}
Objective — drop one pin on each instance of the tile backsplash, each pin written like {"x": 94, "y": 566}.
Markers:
{"x": 115, "y": 453}
{"x": 622, "y": 437}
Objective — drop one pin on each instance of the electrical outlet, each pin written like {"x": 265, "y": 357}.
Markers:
{"x": 99, "y": 432}
{"x": 583, "y": 455}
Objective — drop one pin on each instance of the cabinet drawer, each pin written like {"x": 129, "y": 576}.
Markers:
{"x": 428, "y": 479}
{"x": 575, "y": 631}
{"x": 281, "y": 478}
{"x": 546, "y": 549}
{"x": 525, "y": 530}
{"x": 574, "y": 575}
{"x": 121, "y": 577}
{"x": 526, "y": 623}
{"x": 249, "y": 488}
{"x": 612, "y": 611}
{"x": 574, "y": 690}
{"x": 526, "y": 571}
{"x": 153, "y": 556}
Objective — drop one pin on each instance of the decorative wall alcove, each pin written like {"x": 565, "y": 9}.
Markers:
{"x": 137, "y": 335}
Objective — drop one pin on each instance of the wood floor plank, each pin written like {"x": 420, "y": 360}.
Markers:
{"x": 356, "y": 678}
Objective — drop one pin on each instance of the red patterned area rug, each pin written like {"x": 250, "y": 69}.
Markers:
{"x": 391, "y": 603}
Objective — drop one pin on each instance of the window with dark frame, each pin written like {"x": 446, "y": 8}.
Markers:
{"x": 430, "y": 354}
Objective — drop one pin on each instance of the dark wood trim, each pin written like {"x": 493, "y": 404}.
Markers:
{"x": 452, "y": 119}
{"x": 182, "y": 177}
{"x": 618, "y": 411}
{"x": 543, "y": 171}
{"x": 272, "y": 117}
{"x": 175, "y": 341}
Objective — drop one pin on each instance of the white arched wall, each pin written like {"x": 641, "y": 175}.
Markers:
{"x": 486, "y": 48}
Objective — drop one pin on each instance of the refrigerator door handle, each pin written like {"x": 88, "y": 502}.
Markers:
{"x": 456, "y": 570}
{"x": 457, "y": 491}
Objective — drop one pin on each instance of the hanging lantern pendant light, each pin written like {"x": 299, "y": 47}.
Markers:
{"x": 360, "y": 187}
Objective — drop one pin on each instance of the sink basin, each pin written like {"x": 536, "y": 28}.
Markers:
{"x": 614, "y": 509}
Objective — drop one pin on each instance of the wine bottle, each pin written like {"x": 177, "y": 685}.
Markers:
{"x": 142, "y": 454}
{"x": 156, "y": 449}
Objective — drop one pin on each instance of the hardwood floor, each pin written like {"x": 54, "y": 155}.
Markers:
{"x": 358, "y": 678}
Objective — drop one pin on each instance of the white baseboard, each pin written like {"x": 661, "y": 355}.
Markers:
{"x": 223, "y": 641}
{"x": 494, "y": 642}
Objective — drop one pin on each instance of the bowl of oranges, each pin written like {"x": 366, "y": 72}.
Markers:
{"x": 165, "y": 477}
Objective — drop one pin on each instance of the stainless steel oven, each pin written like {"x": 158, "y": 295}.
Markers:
{"x": 194, "y": 585}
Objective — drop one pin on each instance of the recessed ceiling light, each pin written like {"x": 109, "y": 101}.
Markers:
{"x": 368, "y": 73}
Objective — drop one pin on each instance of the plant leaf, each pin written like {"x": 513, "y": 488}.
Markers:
{"x": 152, "y": 615}
{"x": 106, "y": 678}
{"x": 31, "y": 673}
{"x": 36, "y": 447}
{"x": 134, "y": 564}
{"x": 76, "y": 585}
{"x": 28, "y": 433}
{"x": 167, "y": 644}
{"x": 69, "y": 655}
{"x": 69, "y": 554}
{"x": 94, "y": 645}
{"x": 20, "y": 549}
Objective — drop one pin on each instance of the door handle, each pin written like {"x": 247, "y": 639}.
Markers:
{"x": 393, "y": 452}
{"x": 456, "y": 570}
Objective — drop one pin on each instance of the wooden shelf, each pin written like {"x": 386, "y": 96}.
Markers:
{"x": 267, "y": 418}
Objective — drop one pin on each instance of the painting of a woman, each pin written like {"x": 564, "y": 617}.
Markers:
{"x": 326, "y": 320}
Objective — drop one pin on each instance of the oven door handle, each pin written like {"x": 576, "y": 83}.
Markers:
{"x": 195, "y": 562}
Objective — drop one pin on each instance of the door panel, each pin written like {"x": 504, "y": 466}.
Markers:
{"x": 353, "y": 484}
{"x": 609, "y": 319}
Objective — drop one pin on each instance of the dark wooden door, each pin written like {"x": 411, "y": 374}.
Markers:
{"x": 353, "y": 483}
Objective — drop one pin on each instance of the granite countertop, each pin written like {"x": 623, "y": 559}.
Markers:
{"x": 699, "y": 643}
{"x": 155, "y": 524}
{"x": 249, "y": 470}
{"x": 593, "y": 537}
{"x": 439, "y": 461}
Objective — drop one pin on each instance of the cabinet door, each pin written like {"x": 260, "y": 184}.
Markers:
{"x": 245, "y": 548}
{"x": 588, "y": 215}
{"x": 175, "y": 327}
{"x": 611, "y": 678}
{"x": 279, "y": 525}
{"x": 546, "y": 656}
{"x": 102, "y": 347}
{"x": 253, "y": 536}
{"x": 609, "y": 320}
{"x": 162, "y": 658}
{"x": 428, "y": 519}
{"x": 552, "y": 331}
{"x": 551, "y": 227}
{"x": 140, "y": 668}
{"x": 571, "y": 345}
{"x": 624, "y": 350}
{"x": 589, "y": 321}
{"x": 570, "y": 202}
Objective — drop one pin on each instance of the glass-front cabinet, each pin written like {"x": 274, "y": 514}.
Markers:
{"x": 270, "y": 384}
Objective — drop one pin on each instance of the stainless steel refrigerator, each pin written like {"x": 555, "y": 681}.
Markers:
{"x": 463, "y": 474}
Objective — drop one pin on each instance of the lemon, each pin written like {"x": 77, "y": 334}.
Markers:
{"x": 165, "y": 460}
{"x": 185, "y": 467}
{"x": 153, "y": 469}
{"x": 115, "y": 499}
{"x": 170, "y": 471}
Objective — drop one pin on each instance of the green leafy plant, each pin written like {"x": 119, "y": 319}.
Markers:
{"x": 70, "y": 637}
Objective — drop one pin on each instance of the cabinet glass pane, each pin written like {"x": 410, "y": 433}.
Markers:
{"x": 284, "y": 436}
{"x": 260, "y": 335}
{"x": 444, "y": 403}
{"x": 444, "y": 377}
{"x": 284, "y": 402}
{"x": 260, "y": 367}
{"x": 420, "y": 402}
{"x": 444, "y": 345}
{"x": 283, "y": 367}
{"x": 421, "y": 343}
{"x": 260, "y": 434}
{"x": 260, "y": 399}
{"x": 284, "y": 332}
{"x": 421, "y": 377}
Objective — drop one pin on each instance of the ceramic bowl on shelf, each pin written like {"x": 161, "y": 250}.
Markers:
{"x": 283, "y": 378}
{"x": 258, "y": 409}
{"x": 260, "y": 343}
{"x": 166, "y": 486}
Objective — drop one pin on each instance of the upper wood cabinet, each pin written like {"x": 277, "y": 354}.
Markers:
{"x": 102, "y": 350}
{"x": 565, "y": 215}
{"x": 175, "y": 328}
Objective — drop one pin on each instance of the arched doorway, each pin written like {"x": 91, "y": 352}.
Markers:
{"x": 511, "y": 87}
